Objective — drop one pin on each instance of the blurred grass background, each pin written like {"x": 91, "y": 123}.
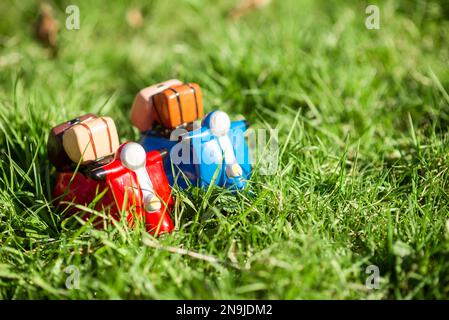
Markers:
{"x": 362, "y": 118}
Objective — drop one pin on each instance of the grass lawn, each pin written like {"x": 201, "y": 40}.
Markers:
{"x": 362, "y": 179}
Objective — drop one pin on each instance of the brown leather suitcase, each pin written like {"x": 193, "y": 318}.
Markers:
{"x": 91, "y": 140}
{"x": 142, "y": 112}
{"x": 55, "y": 150}
{"x": 179, "y": 104}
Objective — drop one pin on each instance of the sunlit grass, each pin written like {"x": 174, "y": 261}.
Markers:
{"x": 362, "y": 178}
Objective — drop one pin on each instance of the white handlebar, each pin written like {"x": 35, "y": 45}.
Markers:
{"x": 220, "y": 125}
{"x": 133, "y": 157}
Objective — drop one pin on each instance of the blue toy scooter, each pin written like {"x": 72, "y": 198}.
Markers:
{"x": 220, "y": 151}
{"x": 216, "y": 153}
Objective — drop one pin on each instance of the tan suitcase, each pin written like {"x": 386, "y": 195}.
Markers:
{"x": 142, "y": 112}
{"x": 91, "y": 140}
{"x": 178, "y": 105}
{"x": 55, "y": 150}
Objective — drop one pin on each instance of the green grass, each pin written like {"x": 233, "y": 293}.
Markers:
{"x": 363, "y": 179}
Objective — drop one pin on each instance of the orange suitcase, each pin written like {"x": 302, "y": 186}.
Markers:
{"x": 142, "y": 112}
{"x": 178, "y": 104}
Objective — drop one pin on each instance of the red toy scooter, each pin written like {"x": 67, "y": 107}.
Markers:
{"x": 136, "y": 185}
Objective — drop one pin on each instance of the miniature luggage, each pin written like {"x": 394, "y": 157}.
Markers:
{"x": 55, "y": 150}
{"x": 91, "y": 140}
{"x": 178, "y": 105}
{"x": 142, "y": 112}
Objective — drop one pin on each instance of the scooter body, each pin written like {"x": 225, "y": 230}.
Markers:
{"x": 203, "y": 157}
{"x": 125, "y": 189}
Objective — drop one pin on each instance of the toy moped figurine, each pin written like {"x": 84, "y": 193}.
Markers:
{"x": 217, "y": 148}
{"x": 129, "y": 179}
